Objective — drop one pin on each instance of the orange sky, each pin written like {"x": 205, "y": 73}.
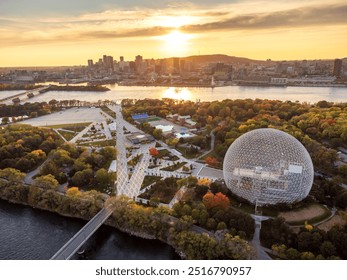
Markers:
{"x": 255, "y": 29}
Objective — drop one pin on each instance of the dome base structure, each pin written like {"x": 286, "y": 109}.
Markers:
{"x": 267, "y": 166}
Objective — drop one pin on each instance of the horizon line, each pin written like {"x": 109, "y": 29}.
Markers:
{"x": 240, "y": 57}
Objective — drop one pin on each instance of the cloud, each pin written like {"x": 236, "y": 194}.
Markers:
{"x": 307, "y": 16}
{"x": 145, "y": 23}
{"x": 144, "y": 32}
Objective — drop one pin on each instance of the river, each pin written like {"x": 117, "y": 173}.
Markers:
{"x": 29, "y": 234}
{"x": 301, "y": 94}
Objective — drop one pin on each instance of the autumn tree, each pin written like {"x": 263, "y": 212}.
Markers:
{"x": 204, "y": 182}
{"x": 219, "y": 201}
{"x": 212, "y": 161}
{"x": 153, "y": 152}
{"x": 172, "y": 142}
{"x": 73, "y": 192}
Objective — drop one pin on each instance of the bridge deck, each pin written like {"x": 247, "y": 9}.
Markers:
{"x": 37, "y": 90}
{"x": 72, "y": 246}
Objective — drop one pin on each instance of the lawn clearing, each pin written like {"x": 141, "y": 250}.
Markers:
{"x": 312, "y": 214}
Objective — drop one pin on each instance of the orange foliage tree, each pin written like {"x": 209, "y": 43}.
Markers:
{"x": 153, "y": 152}
{"x": 212, "y": 161}
{"x": 218, "y": 200}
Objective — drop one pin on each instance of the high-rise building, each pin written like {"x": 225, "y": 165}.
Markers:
{"x": 138, "y": 59}
{"x": 121, "y": 58}
{"x": 110, "y": 63}
{"x": 176, "y": 65}
{"x": 337, "y": 68}
{"x": 132, "y": 66}
{"x": 139, "y": 65}
{"x": 90, "y": 63}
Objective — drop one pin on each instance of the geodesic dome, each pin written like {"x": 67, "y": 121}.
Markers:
{"x": 268, "y": 166}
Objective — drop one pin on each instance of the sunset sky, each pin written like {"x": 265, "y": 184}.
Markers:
{"x": 68, "y": 32}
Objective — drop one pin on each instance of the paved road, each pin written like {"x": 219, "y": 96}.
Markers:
{"x": 81, "y": 133}
{"x": 262, "y": 255}
{"x": 107, "y": 131}
{"x": 28, "y": 179}
{"x": 122, "y": 168}
{"x": 212, "y": 146}
{"x": 133, "y": 187}
{"x": 72, "y": 246}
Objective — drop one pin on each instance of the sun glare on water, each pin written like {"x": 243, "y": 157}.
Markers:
{"x": 177, "y": 93}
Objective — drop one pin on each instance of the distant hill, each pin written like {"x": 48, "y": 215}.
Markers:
{"x": 205, "y": 59}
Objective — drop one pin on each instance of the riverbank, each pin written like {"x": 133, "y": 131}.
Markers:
{"x": 32, "y": 234}
{"x": 79, "y": 88}
{"x": 131, "y": 218}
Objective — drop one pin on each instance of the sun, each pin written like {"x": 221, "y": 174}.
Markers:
{"x": 176, "y": 42}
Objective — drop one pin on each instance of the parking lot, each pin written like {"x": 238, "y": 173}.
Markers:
{"x": 73, "y": 115}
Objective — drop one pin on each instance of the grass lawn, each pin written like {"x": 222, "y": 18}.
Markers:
{"x": 108, "y": 111}
{"x": 76, "y": 127}
{"x": 103, "y": 143}
{"x": 185, "y": 152}
{"x": 162, "y": 153}
{"x": 68, "y": 135}
{"x": 311, "y": 213}
{"x": 174, "y": 167}
{"x": 163, "y": 190}
{"x": 148, "y": 180}
{"x": 165, "y": 153}
{"x": 149, "y": 119}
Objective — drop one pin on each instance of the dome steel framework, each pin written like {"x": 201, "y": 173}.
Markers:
{"x": 268, "y": 166}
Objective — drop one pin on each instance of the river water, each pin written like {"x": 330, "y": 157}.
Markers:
{"x": 27, "y": 233}
{"x": 302, "y": 94}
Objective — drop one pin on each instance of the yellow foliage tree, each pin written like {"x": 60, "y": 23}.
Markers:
{"x": 308, "y": 226}
{"x": 73, "y": 191}
{"x": 204, "y": 182}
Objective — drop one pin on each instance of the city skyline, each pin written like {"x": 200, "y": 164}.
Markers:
{"x": 47, "y": 33}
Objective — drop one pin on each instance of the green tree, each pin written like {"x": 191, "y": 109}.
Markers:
{"x": 11, "y": 174}
{"x": 82, "y": 178}
{"x": 328, "y": 249}
{"x": 104, "y": 179}
{"x": 157, "y": 134}
{"x": 46, "y": 182}
{"x": 33, "y": 115}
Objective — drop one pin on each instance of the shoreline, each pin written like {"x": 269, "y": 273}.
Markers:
{"x": 108, "y": 222}
{"x": 101, "y": 88}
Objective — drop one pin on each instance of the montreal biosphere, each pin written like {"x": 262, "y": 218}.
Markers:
{"x": 268, "y": 166}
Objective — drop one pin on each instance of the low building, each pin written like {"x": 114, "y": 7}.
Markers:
{"x": 166, "y": 129}
{"x": 112, "y": 126}
{"x": 140, "y": 118}
{"x": 182, "y": 120}
{"x": 113, "y": 166}
{"x": 140, "y": 138}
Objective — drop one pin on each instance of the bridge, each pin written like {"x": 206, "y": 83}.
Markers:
{"x": 32, "y": 93}
{"x": 72, "y": 246}
{"x": 124, "y": 185}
